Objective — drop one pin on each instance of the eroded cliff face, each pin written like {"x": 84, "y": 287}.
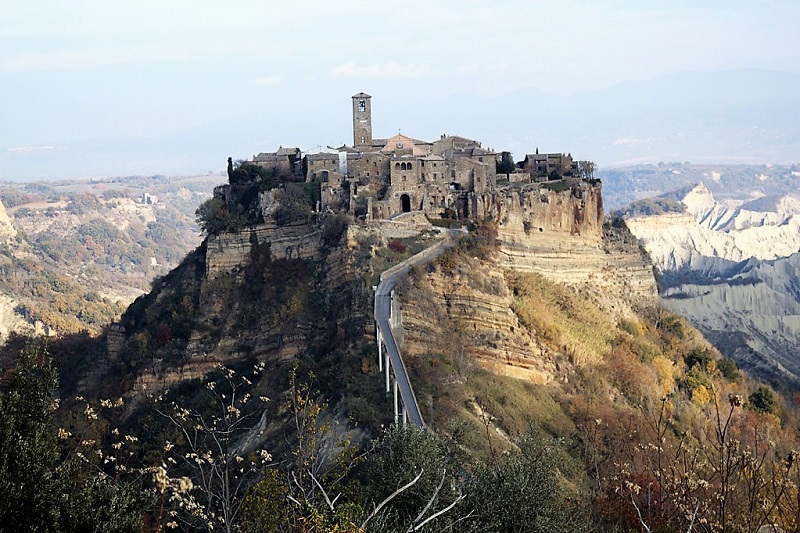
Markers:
{"x": 560, "y": 234}
{"x": 574, "y": 209}
{"x": 470, "y": 318}
{"x": 7, "y": 231}
{"x": 271, "y": 293}
{"x": 466, "y": 306}
{"x": 229, "y": 250}
{"x": 731, "y": 268}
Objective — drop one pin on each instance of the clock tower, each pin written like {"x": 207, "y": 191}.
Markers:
{"x": 362, "y": 121}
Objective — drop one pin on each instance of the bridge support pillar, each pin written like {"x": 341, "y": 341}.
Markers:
{"x": 386, "y": 367}
{"x": 395, "y": 401}
{"x": 380, "y": 347}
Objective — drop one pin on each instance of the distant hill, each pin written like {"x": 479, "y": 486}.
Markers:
{"x": 728, "y": 182}
{"x": 75, "y": 253}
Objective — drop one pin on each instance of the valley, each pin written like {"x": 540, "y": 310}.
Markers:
{"x": 727, "y": 261}
{"x": 75, "y": 253}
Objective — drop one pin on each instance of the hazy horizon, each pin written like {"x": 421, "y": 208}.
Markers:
{"x": 95, "y": 89}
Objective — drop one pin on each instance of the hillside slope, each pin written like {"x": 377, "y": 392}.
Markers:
{"x": 74, "y": 254}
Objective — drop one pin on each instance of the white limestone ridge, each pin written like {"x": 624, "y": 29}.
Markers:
{"x": 732, "y": 269}
{"x": 732, "y": 231}
{"x": 753, "y": 315}
{"x": 7, "y": 231}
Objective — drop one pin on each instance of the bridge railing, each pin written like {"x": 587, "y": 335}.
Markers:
{"x": 388, "y": 280}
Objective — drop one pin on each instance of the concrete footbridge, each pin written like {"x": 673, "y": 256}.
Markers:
{"x": 388, "y": 321}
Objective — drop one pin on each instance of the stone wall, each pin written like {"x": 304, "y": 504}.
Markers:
{"x": 227, "y": 251}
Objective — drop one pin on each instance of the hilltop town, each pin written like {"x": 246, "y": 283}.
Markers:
{"x": 380, "y": 178}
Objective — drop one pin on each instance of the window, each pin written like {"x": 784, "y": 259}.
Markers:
{"x": 399, "y": 145}
{"x": 363, "y": 139}
{"x": 362, "y": 105}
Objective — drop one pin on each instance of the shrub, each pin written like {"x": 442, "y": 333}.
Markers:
{"x": 333, "y": 228}
{"x": 293, "y": 207}
{"x": 763, "y": 400}
{"x": 699, "y": 356}
{"x": 397, "y": 246}
{"x": 727, "y": 367}
{"x": 212, "y": 216}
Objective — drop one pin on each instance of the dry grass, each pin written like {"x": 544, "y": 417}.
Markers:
{"x": 564, "y": 320}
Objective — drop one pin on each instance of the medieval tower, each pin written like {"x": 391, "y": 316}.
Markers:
{"x": 362, "y": 120}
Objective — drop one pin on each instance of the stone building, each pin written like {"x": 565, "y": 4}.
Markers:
{"x": 379, "y": 178}
{"x": 286, "y": 161}
{"x": 386, "y": 177}
{"x": 549, "y": 166}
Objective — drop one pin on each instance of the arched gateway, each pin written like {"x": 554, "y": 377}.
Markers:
{"x": 405, "y": 203}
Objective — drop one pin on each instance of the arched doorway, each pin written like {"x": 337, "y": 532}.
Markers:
{"x": 405, "y": 202}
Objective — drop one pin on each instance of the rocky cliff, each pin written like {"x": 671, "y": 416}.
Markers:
{"x": 467, "y": 304}
{"x": 302, "y": 292}
{"x": 731, "y": 268}
{"x": 7, "y": 231}
{"x": 709, "y": 230}
{"x": 229, "y": 250}
{"x": 560, "y": 234}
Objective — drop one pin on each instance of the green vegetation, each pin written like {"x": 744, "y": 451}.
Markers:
{"x": 653, "y": 206}
{"x": 620, "y": 399}
{"x": 547, "y": 411}
{"x": 556, "y": 184}
{"x": 506, "y": 163}
{"x": 45, "y": 485}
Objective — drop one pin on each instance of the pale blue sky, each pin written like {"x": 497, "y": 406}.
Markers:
{"x": 82, "y": 72}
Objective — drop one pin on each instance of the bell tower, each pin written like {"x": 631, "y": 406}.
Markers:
{"x": 362, "y": 120}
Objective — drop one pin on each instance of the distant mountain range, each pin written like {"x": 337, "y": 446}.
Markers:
{"x": 741, "y": 116}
